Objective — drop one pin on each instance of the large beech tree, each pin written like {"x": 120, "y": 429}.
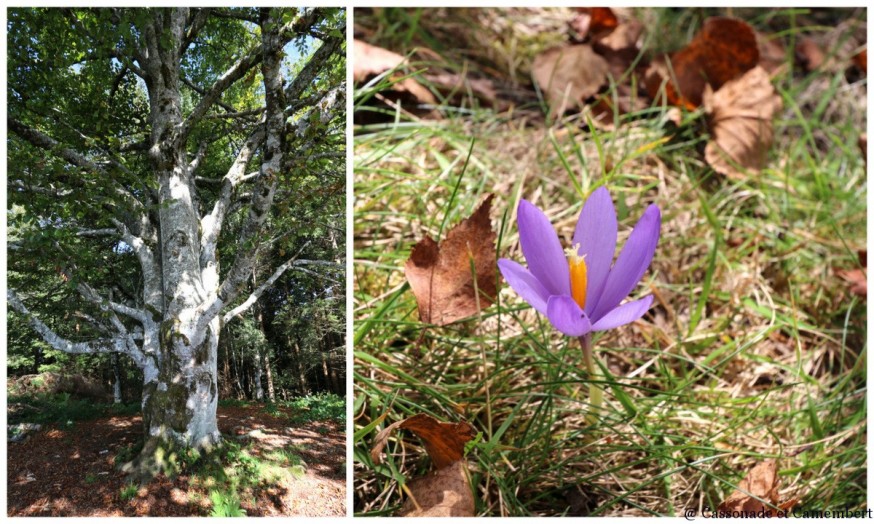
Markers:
{"x": 154, "y": 154}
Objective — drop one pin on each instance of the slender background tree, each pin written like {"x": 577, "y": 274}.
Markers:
{"x": 169, "y": 168}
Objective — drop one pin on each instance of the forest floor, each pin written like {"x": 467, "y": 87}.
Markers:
{"x": 69, "y": 469}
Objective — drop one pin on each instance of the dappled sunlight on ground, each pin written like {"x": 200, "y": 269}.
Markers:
{"x": 71, "y": 471}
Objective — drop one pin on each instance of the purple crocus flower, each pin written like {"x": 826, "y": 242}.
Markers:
{"x": 580, "y": 292}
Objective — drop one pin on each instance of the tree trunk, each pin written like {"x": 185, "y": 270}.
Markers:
{"x": 257, "y": 373}
{"x": 116, "y": 385}
{"x": 271, "y": 392}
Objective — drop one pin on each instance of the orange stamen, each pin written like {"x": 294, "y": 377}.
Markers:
{"x": 577, "y": 266}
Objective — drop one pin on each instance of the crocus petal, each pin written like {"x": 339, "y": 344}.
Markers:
{"x": 632, "y": 262}
{"x": 624, "y": 314}
{"x": 596, "y": 235}
{"x": 525, "y": 284}
{"x": 567, "y": 316}
{"x": 542, "y": 250}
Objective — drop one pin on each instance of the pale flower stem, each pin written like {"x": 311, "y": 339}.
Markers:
{"x": 595, "y": 395}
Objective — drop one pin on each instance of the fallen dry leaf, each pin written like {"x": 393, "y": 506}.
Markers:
{"x": 444, "y": 441}
{"x": 568, "y": 75}
{"x": 440, "y": 275}
{"x": 809, "y": 54}
{"x": 772, "y": 54}
{"x": 370, "y": 61}
{"x": 445, "y": 492}
{"x": 455, "y": 87}
{"x": 857, "y": 278}
{"x": 721, "y": 51}
{"x": 762, "y": 482}
{"x": 593, "y": 22}
{"x": 860, "y": 59}
{"x": 442, "y": 493}
{"x": 740, "y": 117}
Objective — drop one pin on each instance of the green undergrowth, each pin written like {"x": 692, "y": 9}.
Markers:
{"x": 317, "y": 407}
{"x": 754, "y": 348}
{"x": 309, "y": 408}
{"x": 229, "y": 476}
{"x": 63, "y": 409}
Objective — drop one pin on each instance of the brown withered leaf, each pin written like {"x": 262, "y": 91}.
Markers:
{"x": 740, "y": 116}
{"x": 860, "y": 60}
{"x": 442, "y": 493}
{"x": 568, "y": 75}
{"x": 593, "y": 22}
{"x": 455, "y": 87}
{"x": 440, "y": 275}
{"x": 445, "y": 492}
{"x": 370, "y": 61}
{"x": 809, "y": 54}
{"x": 721, "y": 51}
{"x": 772, "y": 54}
{"x": 857, "y": 278}
{"x": 444, "y": 441}
{"x": 762, "y": 481}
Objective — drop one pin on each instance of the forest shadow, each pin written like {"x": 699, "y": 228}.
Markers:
{"x": 70, "y": 468}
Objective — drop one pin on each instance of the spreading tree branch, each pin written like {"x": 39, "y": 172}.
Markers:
{"x": 101, "y": 345}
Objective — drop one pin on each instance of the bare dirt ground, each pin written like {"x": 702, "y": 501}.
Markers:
{"x": 70, "y": 471}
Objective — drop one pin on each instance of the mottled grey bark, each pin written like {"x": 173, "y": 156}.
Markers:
{"x": 116, "y": 382}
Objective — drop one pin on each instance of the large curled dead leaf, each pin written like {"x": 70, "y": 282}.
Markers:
{"x": 568, "y": 75}
{"x": 444, "y": 441}
{"x": 445, "y": 492}
{"x": 760, "y": 483}
{"x": 440, "y": 275}
{"x": 370, "y": 61}
{"x": 442, "y": 493}
{"x": 740, "y": 115}
{"x": 721, "y": 51}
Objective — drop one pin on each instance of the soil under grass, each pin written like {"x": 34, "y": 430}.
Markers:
{"x": 754, "y": 349}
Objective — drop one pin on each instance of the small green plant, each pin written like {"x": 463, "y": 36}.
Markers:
{"x": 321, "y": 406}
{"x": 297, "y": 471}
{"x": 129, "y": 491}
{"x": 126, "y": 454}
{"x": 225, "y": 504}
{"x": 90, "y": 478}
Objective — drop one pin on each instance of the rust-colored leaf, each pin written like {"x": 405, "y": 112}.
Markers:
{"x": 440, "y": 275}
{"x": 762, "y": 482}
{"x": 444, "y": 441}
{"x": 569, "y": 75}
{"x": 442, "y": 493}
{"x": 594, "y": 22}
{"x": 723, "y": 49}
{"x": 445, "y": 492}
{"x": 860, "y": 59}
{"x": 740, "y": 116}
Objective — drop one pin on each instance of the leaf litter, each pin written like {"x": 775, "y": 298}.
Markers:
{"x": 456, "y": 278}
{"x": 445, "y": 492}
